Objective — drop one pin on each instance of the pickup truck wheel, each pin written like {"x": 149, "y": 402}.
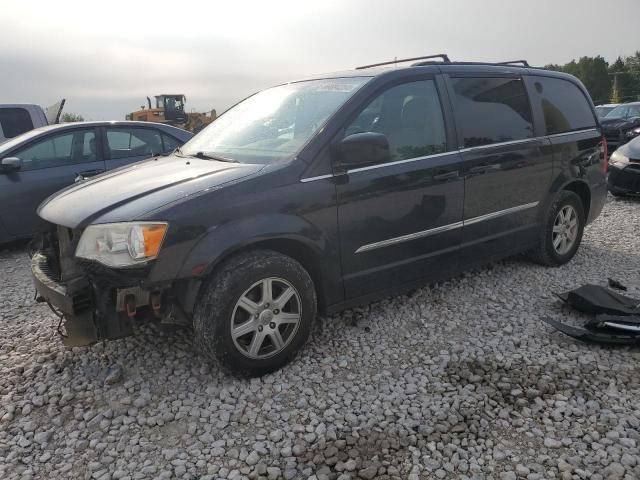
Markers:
{"x": 561, "y": 233}
{"x": 255, "y": 312}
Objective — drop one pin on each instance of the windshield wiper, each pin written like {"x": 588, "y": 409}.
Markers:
{"x": 207, "y": 156}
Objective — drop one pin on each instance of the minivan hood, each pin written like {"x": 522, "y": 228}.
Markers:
{"x": 139, "y": 188}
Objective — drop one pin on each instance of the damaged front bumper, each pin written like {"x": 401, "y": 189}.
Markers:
{"x": 75, "y": 302}
{"x": 95, "y": 302}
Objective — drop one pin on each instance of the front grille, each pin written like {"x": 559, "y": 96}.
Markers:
{"x": 82, "y": 301}
{"x": 49, "y": 267}
{"x": 46, "y": 242}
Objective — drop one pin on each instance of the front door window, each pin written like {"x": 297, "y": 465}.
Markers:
{"x": 59, "y": 150}
{"x": 410, "y": 116}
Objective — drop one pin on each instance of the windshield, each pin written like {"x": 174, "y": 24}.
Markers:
{"x": 273, "y": 125}
{"x": 624, "y": 111}
{"x": 618, "y": 112}
{"x": 603, "y": 111}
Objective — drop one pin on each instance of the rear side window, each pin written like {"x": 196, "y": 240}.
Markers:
{"x": 492, "y": 110}
{"x": 15, "y": 121}
{"x": 133, "y": 142}
{"x": 169, "y": 143}
{"x": 563, "y": 104}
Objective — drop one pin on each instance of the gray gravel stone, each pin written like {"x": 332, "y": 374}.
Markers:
{"x": 455, "y": 380}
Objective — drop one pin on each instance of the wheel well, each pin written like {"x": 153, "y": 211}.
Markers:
{"x": 582, "y": 190}
{"x": 296, "y": 250}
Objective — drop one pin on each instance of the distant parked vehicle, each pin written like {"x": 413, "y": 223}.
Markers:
{"x": 621, "y": 124}
{"x": 40, "y": 162}
{"x": 603, "y": 110}
{"x": 19, "y": 118}
{"x": 624, "y": 169}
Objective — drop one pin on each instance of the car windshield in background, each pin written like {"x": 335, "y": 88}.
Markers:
{"x": 624, "y": 111}
{"x": 603, "y": 111}
{"x": 273, "y": 125}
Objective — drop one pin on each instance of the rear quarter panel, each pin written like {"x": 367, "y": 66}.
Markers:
{"x": 577, "y": 156}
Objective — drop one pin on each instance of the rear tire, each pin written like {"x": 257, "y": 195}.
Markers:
{"x": 561, "y": 232}
{"x": 255, "y": 312}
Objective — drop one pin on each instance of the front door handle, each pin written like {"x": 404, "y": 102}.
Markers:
{"x": 91, "y": 173}
{"x": 440, "y": 177}
{"x": 480, "y": 169}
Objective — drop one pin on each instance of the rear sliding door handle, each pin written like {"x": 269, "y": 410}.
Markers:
{"x": 440, "y": 177}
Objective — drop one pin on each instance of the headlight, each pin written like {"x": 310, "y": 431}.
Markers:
{"x": 618, "y": 159}
{"x": 122, "y": 244}
{"x": 633, "y": 132}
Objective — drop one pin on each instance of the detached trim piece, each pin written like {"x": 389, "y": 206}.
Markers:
{"x": 444, "y": 228}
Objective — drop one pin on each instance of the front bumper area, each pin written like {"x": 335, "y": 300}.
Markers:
{"x": 87, "y": 313}
{"x": 74, "y": 302}
{"x": 624, "y": 180}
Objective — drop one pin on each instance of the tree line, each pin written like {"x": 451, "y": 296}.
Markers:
{"x": 607, "y": 83}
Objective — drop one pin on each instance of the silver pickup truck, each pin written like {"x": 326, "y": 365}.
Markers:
{"x": 18, "y": 118}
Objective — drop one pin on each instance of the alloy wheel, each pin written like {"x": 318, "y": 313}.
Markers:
{"x": 565, "y": 230}
{"x": 266, "y": 318}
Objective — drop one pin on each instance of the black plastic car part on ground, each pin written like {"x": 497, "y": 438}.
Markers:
{"x": 337, "y": 190}
{"x": 616, "y": 317}
{"x": 624, "y": 169}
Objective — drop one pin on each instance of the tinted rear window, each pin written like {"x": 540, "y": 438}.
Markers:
{"x": 564, "y": 105}
{"x": 15, "y": 121}
{"x": 492, "y": 110}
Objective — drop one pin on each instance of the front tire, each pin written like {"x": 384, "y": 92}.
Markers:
{"x": 561, "y": 232}
{"x": 255, "y": 312}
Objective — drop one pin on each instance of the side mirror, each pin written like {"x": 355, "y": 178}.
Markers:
{"x": 361, "y": 149}
{"x": 10, "y": 164}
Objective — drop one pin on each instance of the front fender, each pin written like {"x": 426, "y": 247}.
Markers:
{"x": 289, "y": 234}
{"x": 223, "y": 240}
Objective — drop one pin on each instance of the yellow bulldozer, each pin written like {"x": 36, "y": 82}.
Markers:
{"x": 170, "y": 109}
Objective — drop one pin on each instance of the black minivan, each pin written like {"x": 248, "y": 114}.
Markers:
{"x": 317, "y": 195}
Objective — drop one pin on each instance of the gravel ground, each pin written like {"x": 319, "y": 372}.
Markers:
{"x": 456, "y": 380}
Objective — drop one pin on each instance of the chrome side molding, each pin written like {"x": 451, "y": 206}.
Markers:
{"x": 445, "y": 228}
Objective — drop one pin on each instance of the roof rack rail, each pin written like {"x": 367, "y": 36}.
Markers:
{"x": 512, "y": 62}
{"x": 443, "y": 56}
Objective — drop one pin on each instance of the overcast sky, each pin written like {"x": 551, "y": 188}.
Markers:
{"x": 105, "y": 57}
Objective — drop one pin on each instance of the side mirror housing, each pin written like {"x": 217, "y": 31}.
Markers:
{"x": 10, "y": 164}
{"x": 360, "y": 149}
